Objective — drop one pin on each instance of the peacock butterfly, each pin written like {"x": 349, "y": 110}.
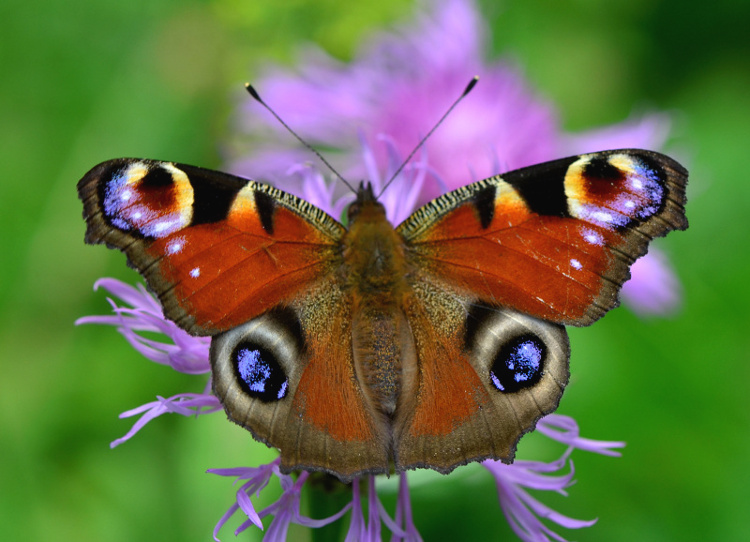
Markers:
{"x": 368, "y": 348}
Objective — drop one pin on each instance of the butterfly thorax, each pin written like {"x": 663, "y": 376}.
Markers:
{"x": 373, "y": 252}
{"x": 374, "y": 270}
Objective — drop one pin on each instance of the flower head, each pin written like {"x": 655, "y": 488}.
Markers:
{"x": 373, "y": 112}
{"x": 399, "y": 85}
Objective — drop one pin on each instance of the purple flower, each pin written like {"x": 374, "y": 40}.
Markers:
{"x": 393, "y": 92}
{"x": 523, "y": 511}
{"x": 403, "y": 514}
{"x": 184, "y": 353}
{"x": 257, "y": 479}
{"x": 564, "y": 429}
{"x": 187, "y": 354}
{"x": 187, "y": 404}
{"x": 357, "y": 526}
{"x": 285, "y": 510}
{"x": 374, "y": 111}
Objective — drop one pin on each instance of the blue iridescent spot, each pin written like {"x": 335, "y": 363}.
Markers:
{"x": 649, "y": 187}
{"x": 129, "y": 202}
{"x": 117, "y": 195}
{"x": 260, "y": 374}
{"x": 604, "y": 217}
{"x": 519, "y": 364}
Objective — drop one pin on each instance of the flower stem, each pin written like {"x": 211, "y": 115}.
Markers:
{"x": 326, "y": 495}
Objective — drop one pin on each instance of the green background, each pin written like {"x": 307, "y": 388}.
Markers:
{"x": 87, "y": 81}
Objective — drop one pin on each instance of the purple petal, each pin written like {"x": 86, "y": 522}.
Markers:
{"x": 357, "y": 528}
{"x": 534, "y": 474}
{"x": 186, "y": 404}
{"x": 185, "y": 353}
{"x": 137, "y": 297}
{"x": 404, "y": 517}
{"x": 523, "y": 512}
{"x": 565, "y": 429}
{"x": 653, "y": 288}
{"x": 258, "y": 478}
{"x": 544, "y": 511}
{"x": 285, "y": 510}
{"x": 373, "y": 513}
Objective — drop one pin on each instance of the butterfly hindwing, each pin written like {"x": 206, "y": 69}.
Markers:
{"x": 288, "y": 377}
{"x": 486, "y": 376}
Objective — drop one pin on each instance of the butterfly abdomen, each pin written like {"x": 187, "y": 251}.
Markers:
{"x": 374, "y": 269}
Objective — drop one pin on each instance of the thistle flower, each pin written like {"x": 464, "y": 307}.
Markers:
{"x": 372, "y": 112}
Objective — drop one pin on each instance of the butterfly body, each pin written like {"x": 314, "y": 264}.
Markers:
{"x": 375, "y": 278}
{"x": 367, "y": 348}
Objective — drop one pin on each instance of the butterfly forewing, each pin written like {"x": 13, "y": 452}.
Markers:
{"x": 555, "y": 240}
{"x": 218, "y": 250}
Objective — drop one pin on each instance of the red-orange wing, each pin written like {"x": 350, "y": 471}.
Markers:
{"x": 555, "y": 240}
{"x": 495, "y": 268}
{"x": 253, "y": 267}
{"x": 218, "y": 250}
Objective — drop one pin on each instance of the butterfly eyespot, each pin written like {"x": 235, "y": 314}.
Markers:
{"x": 519, "y": 364}
{"x": 259, "y": 372}
{"x": 515, "y": 351}
{"x": 151, "y": 200}
{"x": 256, "y": 361}
{"x": 616, "y": 192}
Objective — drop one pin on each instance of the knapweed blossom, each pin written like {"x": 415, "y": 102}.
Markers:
{"x": 373, "y": 111}
{"x": 398, "y": 85}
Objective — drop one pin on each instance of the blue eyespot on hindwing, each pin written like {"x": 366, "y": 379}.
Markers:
{"x": 519, "y": 364}
{"x": 259, "y": 372}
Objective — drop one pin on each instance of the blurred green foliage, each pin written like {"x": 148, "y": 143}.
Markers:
{"x": 87, "y": 81}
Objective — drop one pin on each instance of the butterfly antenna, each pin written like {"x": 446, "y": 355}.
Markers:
{"x": 254, "y": 93}
{"x": 468, "y": 88}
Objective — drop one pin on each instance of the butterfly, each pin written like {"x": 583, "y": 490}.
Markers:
{"x": 370, "y": 348}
